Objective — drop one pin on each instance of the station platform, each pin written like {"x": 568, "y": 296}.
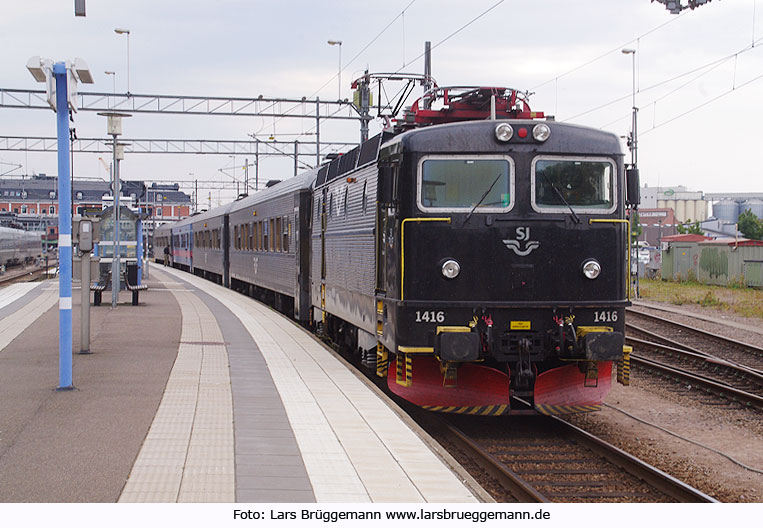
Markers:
{"x": 199, "y": 394}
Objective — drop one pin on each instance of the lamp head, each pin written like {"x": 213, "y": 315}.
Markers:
{"x": 36, "y": 66}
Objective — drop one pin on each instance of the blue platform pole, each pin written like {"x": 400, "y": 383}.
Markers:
{"x": 139, "y": 251}
{"x": 64, "y": 232}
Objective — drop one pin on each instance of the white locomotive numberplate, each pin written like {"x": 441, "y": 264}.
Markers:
{"x": 605, "y": 316}
{"x": 430, "y": 316}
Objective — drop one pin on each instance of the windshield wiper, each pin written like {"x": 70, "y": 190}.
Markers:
{"x": 561, "y": 197}
{"x": 484, "y": 195}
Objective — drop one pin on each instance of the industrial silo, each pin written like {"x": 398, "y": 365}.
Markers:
{"x": 690, "y": 212}
{"x": 671, "y": 204}
{"x": 700, "y": 209}
{"x": 727, "y": 211}
{"x": 754, "y": 205}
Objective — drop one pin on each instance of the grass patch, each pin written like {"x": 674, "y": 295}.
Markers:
{"x": 747, "y": 302}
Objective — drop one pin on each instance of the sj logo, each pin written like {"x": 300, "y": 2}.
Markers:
{"x": 522, "y": 239}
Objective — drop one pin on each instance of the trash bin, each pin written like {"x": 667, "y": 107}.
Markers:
{"x": 132, "y": 274}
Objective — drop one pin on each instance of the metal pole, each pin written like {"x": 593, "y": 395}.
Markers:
{"x": 634, "y": 150}
{"x": 128, "y": 62}
{"x": 246, "y": 175}
{"x": 427, "y": 73}
{"x": 115, "y": 281}
{"x": 317, "y": 132}
{"x": 85, "y": 304}
{"x": 139, "y": 249}
{"x": 296, "y": 154}
{"x": 257, "y": 166}
{"x": 64, "y": 232}
{"x": 339, "y": 96}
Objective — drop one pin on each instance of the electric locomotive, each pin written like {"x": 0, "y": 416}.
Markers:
{"x": 499, "y": 246}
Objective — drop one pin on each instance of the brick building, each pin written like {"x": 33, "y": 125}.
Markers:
{"x": 32, "y": 202}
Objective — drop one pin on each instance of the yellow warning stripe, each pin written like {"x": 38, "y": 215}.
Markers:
{"x": 488, "y": 410}
{"x": 553, "y": 410}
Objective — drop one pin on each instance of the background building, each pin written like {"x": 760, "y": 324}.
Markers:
{"x": 32, "y": 202}
{"x": 687, "y": 206}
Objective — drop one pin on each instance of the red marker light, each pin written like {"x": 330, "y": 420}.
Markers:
{"x": 522, "y": 132}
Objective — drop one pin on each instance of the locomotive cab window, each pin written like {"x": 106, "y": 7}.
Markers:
{"x": 460, "y": 184}
{"x": 585, "y": 185}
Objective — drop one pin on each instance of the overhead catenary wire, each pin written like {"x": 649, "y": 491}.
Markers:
{"x": 671, "y": 92}
{"x": 343, "y": 67}
{"x": 710, "y": 64}
{"x": 704, "y": 103}
{"x": 453, "y": 34}
{"x": 613, "y": 50}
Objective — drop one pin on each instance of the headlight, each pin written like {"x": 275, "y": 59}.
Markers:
{"x": 591, "y": 269}
{"x": 450, "y": 269}
{"x": 503, "y": 132}
{"x": 541, "y": 132}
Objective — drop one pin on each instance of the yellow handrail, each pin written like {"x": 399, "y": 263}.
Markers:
{"x": 402, "y": 244}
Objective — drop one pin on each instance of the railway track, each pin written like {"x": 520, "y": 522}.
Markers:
{"x": 729, "y": 372}
{"x": 696, "y": 340}
{"x": 545, "y": 459}
{"x": 21, "y": 274}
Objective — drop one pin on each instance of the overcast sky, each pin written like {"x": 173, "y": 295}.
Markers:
{"x": 698, "y": 84}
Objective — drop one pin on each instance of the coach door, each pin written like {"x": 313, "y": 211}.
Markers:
{"x": 323, "y": 237}
{"x": 381, "y": 247}
{"x": 226, "y": 251}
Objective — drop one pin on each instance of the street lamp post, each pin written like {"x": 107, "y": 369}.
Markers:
{"x": 122, "y": 31}
{"x": 61, "y": 79}
{"x": 633, "y": 140}
{"x": 338, "y": 43}
{"x": 114, "y": 127}
{"x": 633, "y": 144}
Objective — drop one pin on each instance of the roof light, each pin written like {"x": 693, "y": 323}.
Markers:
{"x": 503, "y": 132}
{"x": 541, "y": 132}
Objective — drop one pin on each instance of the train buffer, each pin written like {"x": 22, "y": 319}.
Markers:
{"x": 131, "y": 283}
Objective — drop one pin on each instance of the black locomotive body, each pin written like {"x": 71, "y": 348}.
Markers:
{"x": 483, "y": 260}
{"x": 479, "y": 265}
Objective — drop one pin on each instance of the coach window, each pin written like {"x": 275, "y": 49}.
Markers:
{"x": 484, "y": 184}
{"x": 265, "y": 235}
{"x": 285, "y": 245}
{"x": 258, "y": 236}
{"x": 277, "y": 233}
{"x": 585, "y": 185}
{"x": 364, "y": 201}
